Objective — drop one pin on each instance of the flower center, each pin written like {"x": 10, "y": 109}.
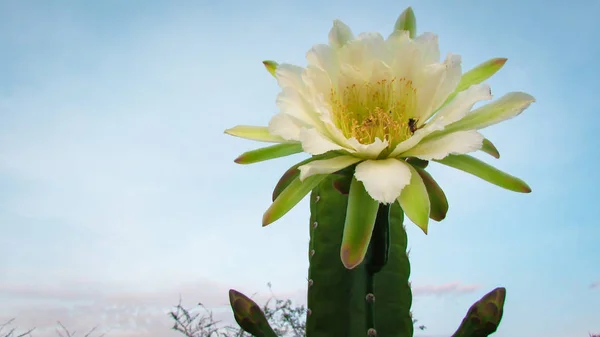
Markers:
{"x": 375, "y": 110}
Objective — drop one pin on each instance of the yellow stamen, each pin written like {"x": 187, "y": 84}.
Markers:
{"x": 375, "y": 110}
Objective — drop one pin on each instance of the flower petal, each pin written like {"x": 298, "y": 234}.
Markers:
{"x": 292, "y": 101}
{"x": 374, "y": 46}
{"x": 508, "y": 106}
{"x": 462, "y": 104}
{"x": 285, "y": 126}
{"x": 361, "y": 213}
{"x": 269, "y": 152}
{"x": 460, "y": 142}
{"x": 340, "y": 34}
{"x": 383, "y": 179}
{"x": 315, "y": 143}
{"x": 437, "y": 198}
{"x": 289, "y": 75}
{"x": 368, "y": 151}
{"x": 259, "y": 133}
{"x": 323, "y": 57}
{"x": 415, "y": 200}
{"x": 428, "y": 46}
{"x": 326, "y": 166}
{"x": 486, "y": 172}
{"x": 477, "y": 75}
{"x": 434, "y": 84}
{"x": 290, "y": 197}
{"x": 416, "y": 138}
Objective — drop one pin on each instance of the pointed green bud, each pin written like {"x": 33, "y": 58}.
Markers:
{"x": 271, "y": 66}
{"x": 269, "y": 152}
{"x": 484, "y": 316}
{"x": 486, "y": 172}
{"x": 407, "y": 21}
{"x": 249, "y": 316}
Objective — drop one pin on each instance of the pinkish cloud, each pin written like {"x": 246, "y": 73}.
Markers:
{"x": 595, "y": 285}
{"x": 444, "y": 289}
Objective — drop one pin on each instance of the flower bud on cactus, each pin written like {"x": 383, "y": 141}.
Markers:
{"x": 484, "y": 316}
{"x": 249, "y": 316}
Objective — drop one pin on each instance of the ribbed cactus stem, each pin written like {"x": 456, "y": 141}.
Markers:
{"x": 370, "y": 298}
{"x": 337, "y": 297}
{"x": 377, "y": 257}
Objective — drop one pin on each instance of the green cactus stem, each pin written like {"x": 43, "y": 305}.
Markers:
{"x": 337, "y": 297}
{"x": 377, "y": 257}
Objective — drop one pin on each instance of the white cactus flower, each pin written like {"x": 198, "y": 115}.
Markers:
{"x": 374, "y": 102}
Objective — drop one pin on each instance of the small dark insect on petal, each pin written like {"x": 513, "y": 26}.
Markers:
{"x": 412, "y": 124}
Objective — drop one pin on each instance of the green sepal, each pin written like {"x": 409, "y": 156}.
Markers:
{"x": 342, "y": 183}
{"x": 343, "y": 178}
{"x": 486, "y": 172}
{"x": 290, "y": 197}
{"x": 258, "y": 133}
{"x": 358, "y": 227}
{"x": 504, "y": 108}
{"x": 407, "y": 21}
{"x": 489, "y": 148}
{"x": 415, "y": 201}
{"x": 293, "y": 172}
{"x": 484, "y": 316}
{"x": 477, "y": 75}
{"x": 249, "y": 316}
{"x": 269, "y": 152}
{"x": 416, "y": 162}
{"x": 437, "y": 198}
{"x": 271, "y": 67}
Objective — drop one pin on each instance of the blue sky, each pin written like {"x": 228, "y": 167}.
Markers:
{"x": 118, "y": 190}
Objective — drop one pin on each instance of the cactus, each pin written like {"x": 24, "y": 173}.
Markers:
{"x": 358, "y": 263}
{"x": 337, "y": 297}
{"x": 373, "y": 299}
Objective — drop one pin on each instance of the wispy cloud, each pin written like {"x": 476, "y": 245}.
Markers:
{"x": 444, "y": 289}
{"x": 595, "y": 285}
